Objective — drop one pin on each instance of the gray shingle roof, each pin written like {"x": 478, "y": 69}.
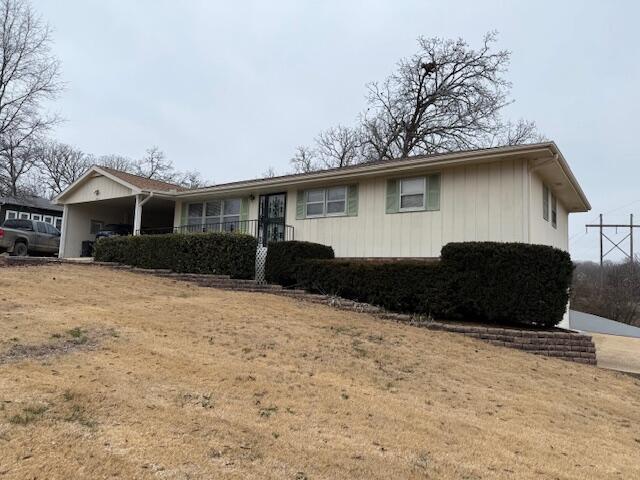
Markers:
{"x": 31, "y": 201}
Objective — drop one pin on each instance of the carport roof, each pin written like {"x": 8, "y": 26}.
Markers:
{"x": 143, "y": 183}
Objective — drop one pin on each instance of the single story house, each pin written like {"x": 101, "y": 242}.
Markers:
{"x": 30, "y": 207}
{"x": 409, "y": 207}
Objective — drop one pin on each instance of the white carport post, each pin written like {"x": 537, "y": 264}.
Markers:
{"x": 137, "y": 215}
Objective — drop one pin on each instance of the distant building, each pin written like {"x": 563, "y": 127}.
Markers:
{"x": 31, "y": 208}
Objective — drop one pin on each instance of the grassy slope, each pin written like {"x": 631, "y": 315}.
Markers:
{"x": 184, "y": 382}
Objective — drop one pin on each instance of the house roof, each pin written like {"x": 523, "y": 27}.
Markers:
{"x": 545, "y": 157}
{"x": 30, "y": 201}
{"x": 143, "y": 183}
{"x": 546, "y": 154}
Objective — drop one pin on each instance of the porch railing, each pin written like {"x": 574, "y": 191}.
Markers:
{"x": 271, "y": 232}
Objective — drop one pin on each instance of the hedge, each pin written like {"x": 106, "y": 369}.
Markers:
{"x": 508, "y": 282}
{"x": 284, "y": 259}
{"x": 212, "y": 253}
{"x": 402, "y": 286}
{"x": 505, "y": 283}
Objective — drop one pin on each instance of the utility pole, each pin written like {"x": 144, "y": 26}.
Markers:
{"x": 602, "y": 227}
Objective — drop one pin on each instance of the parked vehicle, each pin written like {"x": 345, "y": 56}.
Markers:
{"x": 114, "y": 230}
{"x": 21, "y": 237}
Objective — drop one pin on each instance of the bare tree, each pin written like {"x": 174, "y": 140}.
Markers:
{"x": 154, "y": 164}
{"x": 304, "y": 160}
{"x": 446, "y": 97}
{"x": 516, "y": 133}
{"x": 269, "y": 172}
{"x": 611, "y": 291}
{"x": 189, "y": 179}
{"x": 29, "y": 76}
{"x": 59, "y": 165}
{"x": 17, "y": 158}
{"x": 115, "y": 162}
{"x": 339, "y": 146}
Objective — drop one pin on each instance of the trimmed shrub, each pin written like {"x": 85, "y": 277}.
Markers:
{"x": 508, "y": 282}
{"x": 409, "y": 286}
{"x": 211, "y": 253}
{"x": 284, "y": 260}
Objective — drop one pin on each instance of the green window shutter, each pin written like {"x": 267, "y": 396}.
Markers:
{"x": 433, "y": 192}
{"x": 545, "y": 202}
{"x": 300, "y": 206}
{"x": 183, "y": 216}
{"x": 393, "y": 196}
{"x": 244, "y": 209}
{"x": 244, "y": 215}
{"x": 352, "y": 200}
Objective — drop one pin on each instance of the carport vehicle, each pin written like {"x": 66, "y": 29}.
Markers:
{"x": 21, "y": 237}
{"x": 114, "y": 230}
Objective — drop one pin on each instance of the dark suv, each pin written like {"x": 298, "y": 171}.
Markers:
{"x": 114, "y": 230}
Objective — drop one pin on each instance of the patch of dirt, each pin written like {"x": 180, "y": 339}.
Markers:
{"x": 61, "y": 344}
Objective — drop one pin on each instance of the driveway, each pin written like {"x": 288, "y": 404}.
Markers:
{"x": 617, "y": 353}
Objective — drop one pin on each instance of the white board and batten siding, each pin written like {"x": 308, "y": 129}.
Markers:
{"x": 97, "y": 188}
{"x": 477, "y": 202}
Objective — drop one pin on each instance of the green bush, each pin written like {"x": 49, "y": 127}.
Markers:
{"x": 508, "y": 282}
{"x": 403, "y": 286}
{"x": 284, "y": 260}
{"x": 505, "y": 283}
{"x": 211, "y": 253}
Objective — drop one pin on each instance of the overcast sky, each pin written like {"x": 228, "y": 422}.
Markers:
{"x": 231, "y": 88}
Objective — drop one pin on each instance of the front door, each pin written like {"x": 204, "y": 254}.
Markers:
{"x": 273, "y": 207}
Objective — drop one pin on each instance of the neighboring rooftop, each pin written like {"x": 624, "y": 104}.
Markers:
{"x": 30, "y": 201}
{"x": 143, "y": 183}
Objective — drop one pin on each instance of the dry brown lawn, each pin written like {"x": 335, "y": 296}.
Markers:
{"x": 107, "y": 374}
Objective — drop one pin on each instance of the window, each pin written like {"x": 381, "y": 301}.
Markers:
{"x": 51, "y": 230}
{"x": 326, "y": 202}
{"x": 194, "y": 213}
{"x": 19, "y": 224}
{"x": 10, "y": 215}
{"x": 412, "y": 193}
{"x": 554, "y": 211}
{"x": 337, "y": 201}
{"x": 36, "y": 216}
{"x": 215, "y": 215}
{"x": 545, "y": 202}
{"x": 48, "y": 219}
{"x": 231, "y": 214}
{"x": 95, "y": 227}
{"x": 58, "y": 223}
{"x": 24, "y": 216}
{"x": 315, "y": 203}
{"x": 42, "y": 227}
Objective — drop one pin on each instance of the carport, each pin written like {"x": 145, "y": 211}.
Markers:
{"x": 105, "y": 196}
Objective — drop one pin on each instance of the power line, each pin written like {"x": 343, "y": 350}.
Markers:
{"x": 627, "y": 250}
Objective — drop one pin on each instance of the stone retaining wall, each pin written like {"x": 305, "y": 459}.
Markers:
{"x": 558, "y": 343}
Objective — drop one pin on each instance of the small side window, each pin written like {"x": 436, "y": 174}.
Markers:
{"x": 95, "y": 227}
{"x": 11, "y": 215}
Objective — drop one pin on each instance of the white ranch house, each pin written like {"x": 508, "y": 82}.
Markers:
{"x": 401, "y": 208}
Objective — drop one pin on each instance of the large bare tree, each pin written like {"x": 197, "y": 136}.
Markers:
{"x": 29, "y": 76}
{"x": 59, "y": 165}
{"x": 446, "y": 97}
